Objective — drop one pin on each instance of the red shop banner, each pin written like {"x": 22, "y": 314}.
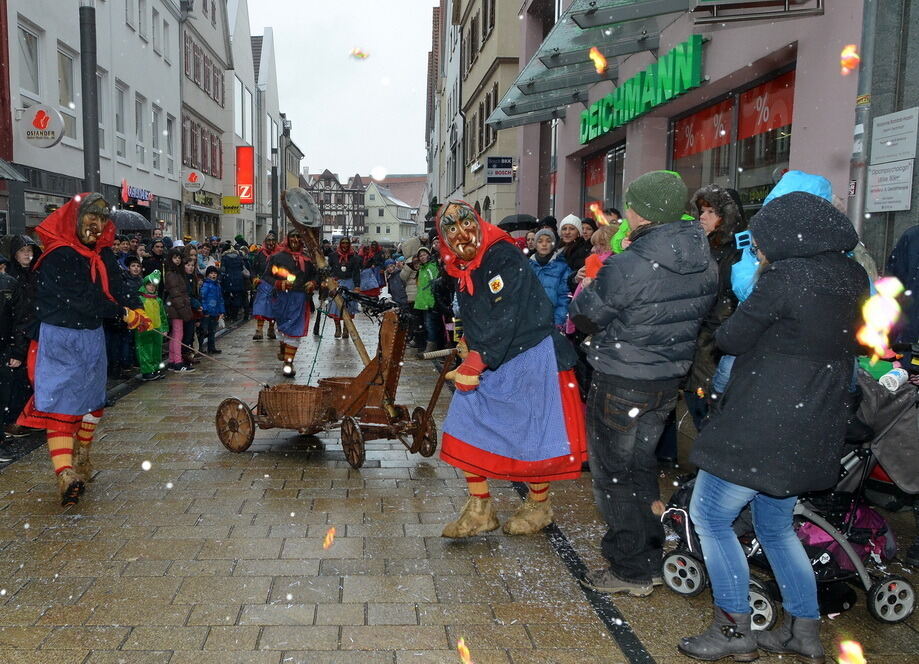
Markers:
{"x": 708, "y": 129}
{"x": 245, "y": 174}
{"x": 767, "y": 106}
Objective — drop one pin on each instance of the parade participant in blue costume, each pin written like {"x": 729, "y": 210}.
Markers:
{"x": 517, "y": 413}
{"x": 263, "y": 291}
{"x": 292, "y": 277}
{"x": 79, "y": 285}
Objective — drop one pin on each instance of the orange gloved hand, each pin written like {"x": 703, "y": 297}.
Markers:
{"x": 462, "y": 349}
{"x": 466, "y": 375}
{"x": 137, "y": 319}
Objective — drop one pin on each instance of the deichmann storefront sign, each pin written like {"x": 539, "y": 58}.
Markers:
{"x": 44, "y": 126}
{"x": 673, "y": 74}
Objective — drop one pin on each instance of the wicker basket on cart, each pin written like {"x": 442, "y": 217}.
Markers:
{"x": 293, "y": 406}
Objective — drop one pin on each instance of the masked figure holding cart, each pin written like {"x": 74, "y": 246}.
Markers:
{"x": 78, "y": 285}
{"x": 292, "y": 276}
{"x": 516, "y": 413}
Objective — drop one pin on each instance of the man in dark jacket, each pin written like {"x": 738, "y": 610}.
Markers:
{"x": 643, "y": 311}
{"x": 234, "y": 283}
{"x": 23, "y": 252}
{"x": 79, "y": 285}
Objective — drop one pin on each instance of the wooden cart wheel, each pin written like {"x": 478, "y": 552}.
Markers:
{"x": 425, "y": 440}
{"x": 352, "y": 442}
{"x": 235, "y": 425}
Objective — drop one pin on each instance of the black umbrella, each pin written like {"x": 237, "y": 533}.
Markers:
{"x": 128, "y": 220}
{"x": 518, "y": 222}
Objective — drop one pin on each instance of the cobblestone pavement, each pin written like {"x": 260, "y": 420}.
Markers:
{"x": 211, "y": 556}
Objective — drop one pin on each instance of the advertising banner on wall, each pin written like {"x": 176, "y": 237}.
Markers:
{"x": 245, "y": 174}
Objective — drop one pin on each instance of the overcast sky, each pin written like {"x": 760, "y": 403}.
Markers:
{"x": 352, "y": 115}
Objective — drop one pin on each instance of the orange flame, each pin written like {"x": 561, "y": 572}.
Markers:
{"x": 329, "y": 538}
{"x": 599, "y": 60}
{"x": 849, "y": 59}
{"x": 597, "y": 212}
{"x": 463, "y": 651}
{"x": 880, "y": 313}
{"x": 283, "y": 273}
{"x": 850, "y": 652}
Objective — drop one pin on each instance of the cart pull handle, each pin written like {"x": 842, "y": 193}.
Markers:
{"x": 434, "y": 354}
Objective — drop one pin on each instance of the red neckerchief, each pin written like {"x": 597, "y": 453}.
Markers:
{"x": 269, "y": 254}
{"x": 298, "y": 256}
{"x": 59, "y": 229}
{"x": 344, "y": 258}
{"x": 457, "y": 267}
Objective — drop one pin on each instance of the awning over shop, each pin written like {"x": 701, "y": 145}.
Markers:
{"x": 562, "y": 72}
{"x": 9, "y": 172}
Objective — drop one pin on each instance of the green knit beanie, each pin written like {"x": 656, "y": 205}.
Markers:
{"x": 658, "y": 196}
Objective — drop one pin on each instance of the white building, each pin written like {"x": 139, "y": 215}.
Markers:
{"x": 207, "y": 121}
{"x": 240, "y": 98}
{"x": 139, "y": 96}
{"x": 389, "y": 219}
{"x": 267, "y": 130}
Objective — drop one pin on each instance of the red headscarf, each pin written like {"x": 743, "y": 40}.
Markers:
{"x": 298, "y": 256}
{"x": 453, "y": 264}
{"x": 60, "y": 228}
{"x": 344, "y": 257}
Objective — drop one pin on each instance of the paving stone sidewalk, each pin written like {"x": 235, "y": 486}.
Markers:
{"x": 211, "y": 556}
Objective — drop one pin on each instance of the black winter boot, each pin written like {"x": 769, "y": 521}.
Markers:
{"x": 796, "y": 636}
{"x": 729, "y": 635}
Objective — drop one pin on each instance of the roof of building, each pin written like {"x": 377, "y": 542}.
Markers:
{"x": 256, "y": 53}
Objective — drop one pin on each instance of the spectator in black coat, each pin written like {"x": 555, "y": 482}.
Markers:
{"x": 157, "y": 258}
{"x": 573, "y": 248}
{"x": 780, "y": 428}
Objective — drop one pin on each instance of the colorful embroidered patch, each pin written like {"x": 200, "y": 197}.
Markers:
{"x": 496, "y": 284}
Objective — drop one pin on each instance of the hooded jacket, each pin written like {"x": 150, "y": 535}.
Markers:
{"x": 646, "y": 305}
{"x": 13, "y": 317}
{"x": 78, "y": 286}
{"x": 28, "y": 281}
{"x": 152, "y": 304}
{"x": 782, "y": 420}
{"x": 231, "y": 269}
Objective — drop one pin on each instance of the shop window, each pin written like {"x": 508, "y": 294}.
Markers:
{"x": 765, "y": 137}
{"x": 594, "y": 181}
{"x": 702, "y": 146}
{"x": 706, "y": 150}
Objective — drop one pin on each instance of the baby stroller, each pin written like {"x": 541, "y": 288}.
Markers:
{"x": 840, "y": 532}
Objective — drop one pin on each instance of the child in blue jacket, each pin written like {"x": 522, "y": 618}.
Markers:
{"x": 552, "y": 274}
{"x": 212, "y": 305}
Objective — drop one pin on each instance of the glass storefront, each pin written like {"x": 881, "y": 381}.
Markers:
{"x": 742, "y": 142}
{"x": 603, "y": 179}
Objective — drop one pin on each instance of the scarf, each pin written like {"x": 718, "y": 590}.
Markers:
{"x": 59, "y": 229}
{"x": 343, "y": 258}
{"x": 455, "y": 266}
{"x": 298, "y": 256}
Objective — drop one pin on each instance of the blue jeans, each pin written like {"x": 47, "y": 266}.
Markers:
{"x": 715, "y": 505}
{"x": 723, "y": 373}
{"x": 433, "y": 326}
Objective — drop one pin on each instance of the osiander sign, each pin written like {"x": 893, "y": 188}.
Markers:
{"x": 673, "y": 74}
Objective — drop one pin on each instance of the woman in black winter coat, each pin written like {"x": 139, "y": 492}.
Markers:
{"x": 572, "y": 248}
{"x": 721, "y": 215}
{"x": 780, "y": 429}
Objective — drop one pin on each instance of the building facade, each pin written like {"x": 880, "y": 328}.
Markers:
{"x": 138, "y": 76}
{"x": 390, "y": 220}
{"x": 489, "y": 33}
{"x": 206, "y": 117}
{"x": 736, "y": 101}
{"x": 342, "y": 205}
{"x": 267, "y": 130}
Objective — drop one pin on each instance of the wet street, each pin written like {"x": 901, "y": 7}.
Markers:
{"x": 210, "y": 556}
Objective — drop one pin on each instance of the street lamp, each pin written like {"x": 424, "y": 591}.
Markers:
{"x": 90, "y": 92}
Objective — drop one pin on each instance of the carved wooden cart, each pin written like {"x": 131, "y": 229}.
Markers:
{"x": 363, "y": 407}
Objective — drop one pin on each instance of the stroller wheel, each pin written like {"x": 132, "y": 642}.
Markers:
{"x": 891, "y": 599}
{"x": 684, "y": 574}
{"x": 765, "y": 612}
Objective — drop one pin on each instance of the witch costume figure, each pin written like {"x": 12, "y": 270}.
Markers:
{"x": 291, "y": 276}
{"x": 345, "y": 268}
{"x": 516, "y": 413}
{"x": 263, "y": 289}
{"x": 79, "y": 285}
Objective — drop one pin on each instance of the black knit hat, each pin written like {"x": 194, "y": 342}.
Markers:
{"x": 211, "y": 269}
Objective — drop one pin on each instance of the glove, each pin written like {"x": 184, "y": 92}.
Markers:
{"x": 255, "y": 282}
{"x": 310, "y": 287}
{"x": 137, "y": 319}
{"x": 283, "y": 285}
{"x": 466, "y": 376}
{"x": 462, "y": 349}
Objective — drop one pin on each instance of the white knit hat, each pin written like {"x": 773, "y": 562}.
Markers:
{"x": 571, "y": 220}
